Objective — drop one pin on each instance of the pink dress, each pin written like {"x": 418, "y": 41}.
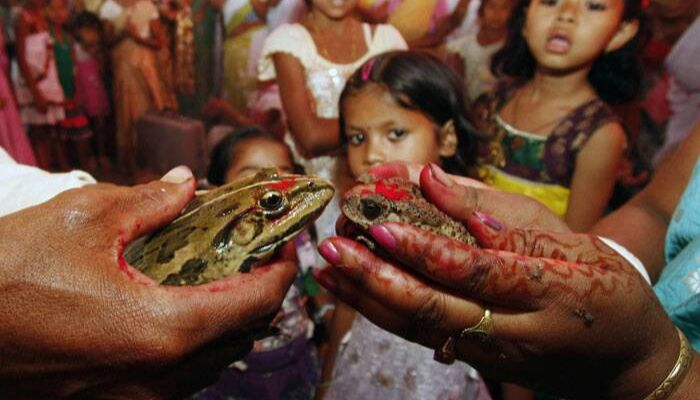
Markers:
{"x": 90, "y": 91}
{"x": 12, "y": 135}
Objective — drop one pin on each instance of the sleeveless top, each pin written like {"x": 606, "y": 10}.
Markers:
{"x": 678, "y": 287}
{"x": 538, "y": 166}
{"x": 325, "y": 81}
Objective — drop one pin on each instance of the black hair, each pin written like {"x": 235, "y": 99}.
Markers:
{"x": 86, "y": 19}
{"x": 420, "y": 81}
{"x": 615, "y": 75}
{"x": 222, "y": 156}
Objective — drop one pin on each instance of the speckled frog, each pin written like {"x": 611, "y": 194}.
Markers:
{"x": 231, "y": 229}
{"x": 394, "y": 200}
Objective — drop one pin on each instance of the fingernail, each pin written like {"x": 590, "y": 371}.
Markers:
{"x": 441, "y": 176}
{"x": 178, "y": 175}
{"x": 488, "y": 221}
{"x": 381, "y": 234}
{"x": 329, "y": 252}
{"x": 324, "y": 278}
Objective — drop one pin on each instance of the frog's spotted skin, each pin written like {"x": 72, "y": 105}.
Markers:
{"x": 231, "y": 229}
{"x": 394, "y": 200}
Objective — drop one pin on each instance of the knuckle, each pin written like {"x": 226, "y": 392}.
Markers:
{"x": 478, "y": 273}
{"x": 427, "y": 318}
{"x": 84, "y": 207}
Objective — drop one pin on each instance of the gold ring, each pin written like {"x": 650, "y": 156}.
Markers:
{"x": 483, "y": 329}
{"x": 446, "y": 354}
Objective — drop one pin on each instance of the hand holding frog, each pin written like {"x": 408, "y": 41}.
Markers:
{"x": 78, "y": 321}
{"x": 558, "y": 301}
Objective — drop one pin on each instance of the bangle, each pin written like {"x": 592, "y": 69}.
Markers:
{"x": 678, "y": 372}
{"x": 322, "y": 311}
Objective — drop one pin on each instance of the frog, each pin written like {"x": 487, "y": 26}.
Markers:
{"x": 374, "y": 201}
{"x": 230, "y": 229}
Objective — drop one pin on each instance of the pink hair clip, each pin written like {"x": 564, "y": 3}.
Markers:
{"x": 367, "y": 69}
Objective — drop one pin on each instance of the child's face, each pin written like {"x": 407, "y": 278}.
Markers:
{"x": 496, "y": 13}
{"x": 255, "y": 154}
{"x": 57, "y": 12}
{"x": 334, "y": 9}
{"x": 379, "y": 130}
{"x": 89, "y": 37}
{"x": 569, "y": 34}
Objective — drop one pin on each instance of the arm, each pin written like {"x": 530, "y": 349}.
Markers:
{"x": 315, "y": 136}
{"x": 594, "y": 177}
{"x": 650, "y": 211}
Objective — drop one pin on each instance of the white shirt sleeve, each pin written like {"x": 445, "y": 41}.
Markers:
{"x": 22, "y": 186}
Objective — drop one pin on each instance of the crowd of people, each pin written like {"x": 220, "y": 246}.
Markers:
{"x": 584, "y": 116}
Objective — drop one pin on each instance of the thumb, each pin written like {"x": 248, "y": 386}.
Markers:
{"x": 150, "y": 206}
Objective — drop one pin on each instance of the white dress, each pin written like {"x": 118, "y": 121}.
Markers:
{"x": 477, "y": 63}
{"x": 325, "y": 80}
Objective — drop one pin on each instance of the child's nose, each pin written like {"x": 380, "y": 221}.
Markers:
{"x": 568, "y": 11}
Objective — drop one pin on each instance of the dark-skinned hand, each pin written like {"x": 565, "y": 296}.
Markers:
{"x": 78, "y": 322}
{"x": 571, "y": 316}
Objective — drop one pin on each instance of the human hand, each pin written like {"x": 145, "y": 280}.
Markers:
{"x": 459, "y": 197}
{"x": 78, "y": 321}
{"x": 565, "y": 302}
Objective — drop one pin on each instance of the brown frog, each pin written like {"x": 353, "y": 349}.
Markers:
{"x": 231, "y": 229}
{"x": 393, "y": 200}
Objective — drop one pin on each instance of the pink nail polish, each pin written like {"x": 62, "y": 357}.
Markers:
{"x": 382, "y": 235}
{"x": 329, "y": 252}
{"x": 488, "y": 221}
{"x": 441, "y": 176}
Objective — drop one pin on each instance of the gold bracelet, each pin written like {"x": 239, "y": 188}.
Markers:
{"x": 678, "y": 372}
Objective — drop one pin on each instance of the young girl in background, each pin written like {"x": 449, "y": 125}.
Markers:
{"x": 38, "y": 90}
{"x": 284, "y": 366}
{"x": 311, "y": 61}
{"x": 405, "y": 106}
{"x": 90, "y": 93}
{"x": 554, "y": 138}
{"x": 74, "y": 130}
{"x": 473, "y": 51}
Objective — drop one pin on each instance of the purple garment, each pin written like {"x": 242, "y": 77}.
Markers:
{"x": 290, "y": 372}
{"x": 91, "y": 95}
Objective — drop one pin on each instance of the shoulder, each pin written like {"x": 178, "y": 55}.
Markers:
{"x": 290, "y": 39}
{"x": 386, "y": 37}
{"x": 607, "y": 141}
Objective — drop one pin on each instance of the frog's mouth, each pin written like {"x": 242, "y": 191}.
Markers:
{"x": 347, "y": 228}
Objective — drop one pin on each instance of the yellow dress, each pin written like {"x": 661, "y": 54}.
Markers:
{"x": 413, "y": 17}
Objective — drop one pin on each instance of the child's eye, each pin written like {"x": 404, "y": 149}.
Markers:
{"x": 356, "y": 139}
{"x": 396, "y": 134}
{"x": 596, "y": 6}
{"x": 549, "y": 2}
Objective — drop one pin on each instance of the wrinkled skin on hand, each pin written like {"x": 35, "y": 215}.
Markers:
{"x": 571, "y": 316}
{"x": 77, "y": 321}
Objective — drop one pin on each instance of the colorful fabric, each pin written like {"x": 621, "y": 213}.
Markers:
{"x": 90, "y": 92}
{"x": 546, "y": 159}
{"x": 184, "y": 51}
{"x": 63, "y": 54}
{"x": 678, "y": 287}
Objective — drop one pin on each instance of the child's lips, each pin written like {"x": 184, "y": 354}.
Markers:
{"x": 558, "y": 44}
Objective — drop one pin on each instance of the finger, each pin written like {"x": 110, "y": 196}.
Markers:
{"x": 393, "y": 298}
{"x": 397, "y": 169}
{"x": 571, "y": 247}
{"x": 497, "y": 277}
{"x": 148, "y": 207}
{"x": 459, "y": 198}
{"x": 240, "y": 301}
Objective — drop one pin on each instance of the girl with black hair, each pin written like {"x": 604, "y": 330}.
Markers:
{"x": 552, "y": 135}
{"x": 405, "y": 106}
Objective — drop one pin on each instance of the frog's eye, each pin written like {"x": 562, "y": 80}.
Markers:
{"x": 370, "y": 209}
{"x": 272, "y": 201}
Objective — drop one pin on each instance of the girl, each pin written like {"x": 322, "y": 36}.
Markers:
{"x": 39, "y": 92}
{"x": 284, "y": 366}
{"x": 311, "y": 61}
{"x": 74, "y": 130}
{"x": 404, "y": 106}
{"x": 554, "y": 138}
{"x": 474, "y": 51}
{"x": 90, "y": 93}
